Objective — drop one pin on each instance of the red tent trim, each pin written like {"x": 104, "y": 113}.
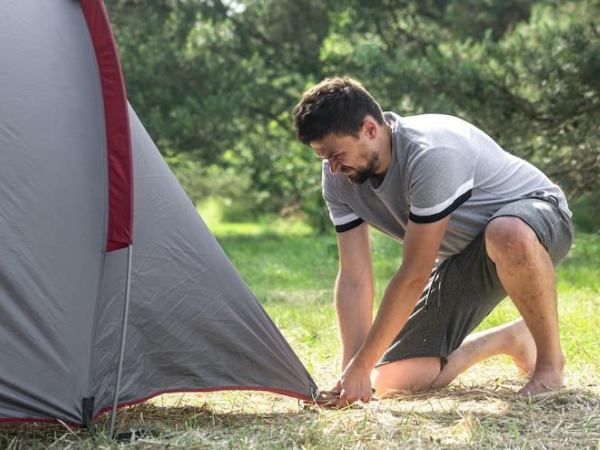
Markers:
{"x": 118, "y": 137}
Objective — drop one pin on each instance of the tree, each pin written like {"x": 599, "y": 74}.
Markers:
{"x": 216, "y": 80}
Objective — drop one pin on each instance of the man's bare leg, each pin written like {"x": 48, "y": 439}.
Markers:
{"x": 527, "y": 274}
{"x": 421, "y": 374}
{"x": 513, "y": 339}
{"x": 404, "y": 376}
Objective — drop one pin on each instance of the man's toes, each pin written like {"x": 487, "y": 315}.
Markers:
{"x": 536, "y": 387}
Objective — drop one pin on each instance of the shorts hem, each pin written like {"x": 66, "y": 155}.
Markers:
{"x": 394, "y": 358}
{"x": 537, "y": 232}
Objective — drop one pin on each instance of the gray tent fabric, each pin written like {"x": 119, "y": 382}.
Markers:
{"x": 186, "y": 295}
{"x": 193, "y": 323}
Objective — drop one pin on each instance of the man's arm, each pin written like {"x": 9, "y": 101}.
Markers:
{"x": 421, "y": 244}
{"x": 354, "y": 290}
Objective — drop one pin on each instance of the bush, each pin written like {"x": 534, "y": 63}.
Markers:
{"x": 586, "y": 213}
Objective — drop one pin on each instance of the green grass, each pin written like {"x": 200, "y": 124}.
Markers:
{"x": 292, "y": 270}
{"x": 292, "y": 273}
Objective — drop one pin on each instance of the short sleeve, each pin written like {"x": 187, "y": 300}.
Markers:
{"x": 340, "y": 213}
{"x": 440, "y": 180}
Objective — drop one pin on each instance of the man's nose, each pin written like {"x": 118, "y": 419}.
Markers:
{"x": 334, "y": 167}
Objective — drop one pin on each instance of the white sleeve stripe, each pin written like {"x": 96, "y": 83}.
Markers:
{"x": 443, "y": 205}
{"x": 344, "y": 219}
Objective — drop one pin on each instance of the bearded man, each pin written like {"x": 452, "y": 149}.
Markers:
{"x": 477, "y": 224}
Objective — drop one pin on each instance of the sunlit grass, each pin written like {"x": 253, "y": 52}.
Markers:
{"x": 292, "y": 272}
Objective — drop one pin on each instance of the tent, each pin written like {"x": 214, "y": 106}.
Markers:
{"x": 112, "y": 289}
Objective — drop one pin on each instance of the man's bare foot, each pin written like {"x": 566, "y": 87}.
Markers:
{"x": 524, "y": 352}
{"x": 544, "y": 380}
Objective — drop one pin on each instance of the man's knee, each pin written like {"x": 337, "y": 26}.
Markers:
{"x": 510, "y": 240}
{"x": 406, "y": 375}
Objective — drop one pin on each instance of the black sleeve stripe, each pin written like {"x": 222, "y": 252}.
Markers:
{"x": 439, "y": 216}
{"x": 349, "y": 225}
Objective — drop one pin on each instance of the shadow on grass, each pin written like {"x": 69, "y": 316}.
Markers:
{"x": 147, "y": 424}
{"x": 497, "y": 417}
{"x": 482, "y": 416}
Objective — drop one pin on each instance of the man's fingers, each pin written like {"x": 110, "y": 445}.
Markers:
{"x": 342, "y": 403}
{"x": 333, "y": 399}
{"x": 328, "y": 395}
{"x": 368, "y": 396}
{"x": 346, "y": 399}
{"x": 328, "y": 399}
{"x": 333, "y": 404}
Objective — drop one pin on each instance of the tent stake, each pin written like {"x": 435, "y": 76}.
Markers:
{"x": 113, "y": 415}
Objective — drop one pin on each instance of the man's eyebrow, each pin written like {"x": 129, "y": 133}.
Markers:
{"x": 327, "y": 154}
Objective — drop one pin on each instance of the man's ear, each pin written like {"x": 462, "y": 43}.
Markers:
{"x": 369, "y": 126}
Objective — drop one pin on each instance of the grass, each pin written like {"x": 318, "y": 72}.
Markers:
{"x": 291, "y": 270}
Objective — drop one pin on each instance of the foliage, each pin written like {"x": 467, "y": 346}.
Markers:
{"x": 217, "y": 79}
{"x": 531, "y": 84}
{"x": 586, "y": 211}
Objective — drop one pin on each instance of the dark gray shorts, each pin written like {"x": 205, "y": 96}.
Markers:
{"x": 465, "y": 288}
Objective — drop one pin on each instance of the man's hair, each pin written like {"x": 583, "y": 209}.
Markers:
{"x": 335, "y": 105}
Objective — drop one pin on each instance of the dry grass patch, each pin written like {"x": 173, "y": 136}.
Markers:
{"x": 469, "y": 414}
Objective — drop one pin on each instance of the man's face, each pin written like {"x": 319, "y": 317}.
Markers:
{"x": 354, "y": 156}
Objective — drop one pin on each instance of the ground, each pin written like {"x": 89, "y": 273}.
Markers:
{"x": 291, "y": 270}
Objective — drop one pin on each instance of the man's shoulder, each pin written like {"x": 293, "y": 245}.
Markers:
{"x": 438, "y": 136}
{"x": 434, "y": 130}
{"x": 431, "y": 121}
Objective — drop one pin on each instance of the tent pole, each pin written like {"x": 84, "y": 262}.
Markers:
{"x": 113, "y": 416}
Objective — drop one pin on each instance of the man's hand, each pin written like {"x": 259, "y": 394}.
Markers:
{"x": 354, "y": 385}
{"x": 421, "y": 244}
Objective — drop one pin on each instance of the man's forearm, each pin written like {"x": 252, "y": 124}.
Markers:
{"x": 354, "y": 308}
{"x": 397, "y": 304}
{"x": 421, "y": 244}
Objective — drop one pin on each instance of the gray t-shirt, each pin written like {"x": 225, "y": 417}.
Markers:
{"x": 440, "y": 165}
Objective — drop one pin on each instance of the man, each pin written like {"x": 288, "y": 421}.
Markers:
{"x": 488, "y": 223}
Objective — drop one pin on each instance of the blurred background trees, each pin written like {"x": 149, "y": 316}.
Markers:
{"x": 215, "y": 81}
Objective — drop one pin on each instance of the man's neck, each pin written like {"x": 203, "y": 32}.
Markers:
{"x": 385, "y": 154}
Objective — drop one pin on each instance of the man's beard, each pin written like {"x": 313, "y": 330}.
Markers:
{"x": 360, "y": 176}
{"x": 363, "y": 174}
